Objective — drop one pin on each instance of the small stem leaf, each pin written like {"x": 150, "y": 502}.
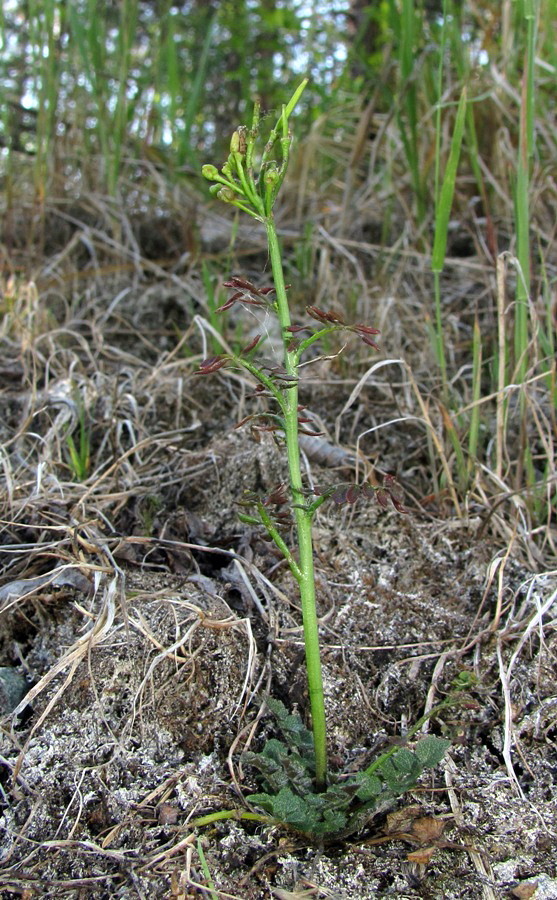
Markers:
{"x": 326, "y": 316}
{"x": 367, "y": 340}
{"x": 248, "y": 520}
{"x": 212, "y": 364}
{"x": 251, "y": 346}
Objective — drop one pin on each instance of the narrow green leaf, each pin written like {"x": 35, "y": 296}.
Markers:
{"x": 248, "y": 520}
{"x": 473, "y": 434}
{"x": 291, "y": 105}
{"x": 443, "y": 211}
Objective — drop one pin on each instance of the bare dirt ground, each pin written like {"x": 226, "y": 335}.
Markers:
{"x": 147, "y": 626}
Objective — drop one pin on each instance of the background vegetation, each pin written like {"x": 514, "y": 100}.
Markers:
{"x": 422, "y": 194}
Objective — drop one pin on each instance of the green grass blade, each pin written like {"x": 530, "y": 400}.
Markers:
{"x": 473, "y": 435}
{"x": 195, "y": 93}
{"x": 442, "y": 215}
{"x": 205, "y": 868}
{"x": 522, "y": 198}
{"x": 443, "y": 211}
{"x": 409, "y": 132}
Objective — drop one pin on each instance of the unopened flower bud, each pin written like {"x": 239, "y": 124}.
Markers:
{"x": 235, "y": 143}
{"x": 238, "y": 141}
{"x": 271, "y": 176}
{"x": 210, "y": 172}
{"x": 231, "y": 164}
{"x": 226, "y": 194}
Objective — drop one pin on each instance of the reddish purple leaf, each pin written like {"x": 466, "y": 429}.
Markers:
{"x": 392, "y": 486}
{"x": 382, "y": 498}
{"x": 242, "y": 283}
{"x": 277, "y": 497}
{"x": 367, "y": 340}
{"x": 352, "y": 493}
{"x": 251, "y": 345}
{"x": 230, "y": 302}
{"x": 278, "y": 373}
{"x": 244, "y": 420}
{"x": 295, "y": 329}
{"x": 339, "y": 496}
{"x": 365, "y": 329}
{"x": 391, "y": 491}
{"x": 327, "y": 317}
{"x": 210, "y": 365}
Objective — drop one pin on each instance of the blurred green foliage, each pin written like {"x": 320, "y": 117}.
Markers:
{"x": 98, "y": 85}
{"x": 170, "y": 78}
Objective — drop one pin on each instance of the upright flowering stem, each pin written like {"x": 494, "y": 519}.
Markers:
{"x": 302, "y": 517}
{"x": 251, "y": 182}
{"x": 238, "y": 184}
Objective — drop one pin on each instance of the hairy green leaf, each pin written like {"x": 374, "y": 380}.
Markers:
{"x": 369, "y": 786}
{"x": 431, "y": 750}
{"x": 401, "y": 771}
{"x": 292, "y": 727}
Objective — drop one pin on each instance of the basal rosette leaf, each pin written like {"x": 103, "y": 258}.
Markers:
{"x": 292, "y": 728}
{"x": 401, "y": 771}
{"x": 270, "y": 766}
{"x": 288, "y": 807}
{"x": 368, "y": 787}
{"x": 431, "y": 750}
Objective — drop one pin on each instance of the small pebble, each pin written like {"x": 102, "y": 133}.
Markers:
{"x": 13, "y": 687}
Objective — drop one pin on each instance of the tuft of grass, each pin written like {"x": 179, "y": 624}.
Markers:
{"x": 79, "y": 450}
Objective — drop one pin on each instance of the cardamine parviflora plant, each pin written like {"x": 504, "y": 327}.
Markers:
{"x": 298, "y": 788}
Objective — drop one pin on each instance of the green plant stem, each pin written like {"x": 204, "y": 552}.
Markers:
{"x": 447, "y": 703}
{"x": 239, "y": 814}
{"x": 206, "y": 872}
{"x": 304, "y": 572}
{"x": 282, "y": 546}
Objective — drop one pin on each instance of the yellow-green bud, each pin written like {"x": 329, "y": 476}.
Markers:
{"x": 238, "y": 141}
{"x": 271, "y": 176}
{"x": 226, "y": 194}
{"x": 210, "y": 172}
{"x": 232, "y": 162}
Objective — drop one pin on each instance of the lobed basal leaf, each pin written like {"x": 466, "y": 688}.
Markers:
{"x": 401, "y": 770}
{"x": 431, "y": 750}
{"x": 347, "y": 803}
